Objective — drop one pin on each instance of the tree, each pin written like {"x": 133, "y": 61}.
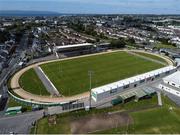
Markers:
{"x": 97, "y": 39}
{"x": 4, "y": 36}
{"x": 90, "y": 30}
{"x": 101, "y": 35}
{"x": 131, "y": 41}
{"x": 118, "y": 43}
{"x": 164, "y": 40}
{"x": 90, "y": 41}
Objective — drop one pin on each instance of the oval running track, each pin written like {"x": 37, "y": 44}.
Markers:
{"x": 15, "y": 86}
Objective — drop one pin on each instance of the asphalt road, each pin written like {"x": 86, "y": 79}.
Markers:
{"x": 5, "y": 73}
{"x": 13, "y": 63}
{"x": 23, "y": 45}
{"x": 20, "y": 124}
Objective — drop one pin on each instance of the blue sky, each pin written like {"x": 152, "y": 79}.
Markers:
{"x": 95, "y": 6}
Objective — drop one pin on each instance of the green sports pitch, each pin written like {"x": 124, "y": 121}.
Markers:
{"x": 70, "y": 77}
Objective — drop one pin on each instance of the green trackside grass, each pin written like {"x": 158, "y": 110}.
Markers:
{"x": 152, "y": 57}
{"x": 30, "y": 82}
{"x": 153, "y": 121}
{"x": 71, "y": 76}
{"x": 64, "y": 120}
{"x": 13, "y": 103}
{"x": 161, "y": 45}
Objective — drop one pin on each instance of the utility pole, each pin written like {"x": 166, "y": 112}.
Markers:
{"x": 58, "y": 57}
{"x": 90, "y": 73}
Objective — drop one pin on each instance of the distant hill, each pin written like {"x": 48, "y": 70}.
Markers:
{"x": 28, "y": 13}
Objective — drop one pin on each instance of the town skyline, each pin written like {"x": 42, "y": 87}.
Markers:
{"x": 94, "y": 7}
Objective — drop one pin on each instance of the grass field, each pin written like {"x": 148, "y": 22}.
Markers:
{"x": 152, "y": 57}
{"x": 161, "y": 45}
{"x": 153, "y": 121}
{"x": 71, "y": 76}
{"x": 63, "y": 120}
{"x": 31, "y": 83}
{"x": 13, "y": 103}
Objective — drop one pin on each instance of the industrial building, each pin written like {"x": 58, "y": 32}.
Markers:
{"x": 115, "y": 88}
{"x": 171, "y": 84}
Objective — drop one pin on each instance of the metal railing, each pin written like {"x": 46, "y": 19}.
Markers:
{"x": 33, "y": 103}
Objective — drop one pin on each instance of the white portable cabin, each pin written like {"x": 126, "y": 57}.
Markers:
{"x": 112, "y": 89}
{"x": 171, "y": 84}
{"x": 173, "y": 79}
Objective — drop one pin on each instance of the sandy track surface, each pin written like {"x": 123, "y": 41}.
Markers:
{"x": 29, "y": 96}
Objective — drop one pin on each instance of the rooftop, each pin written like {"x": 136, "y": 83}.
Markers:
{"x": 127, "y": 81}
{"x": 175, "y": 77}
{"x": 14, "y": 108}
{"x": 75, "y": 45}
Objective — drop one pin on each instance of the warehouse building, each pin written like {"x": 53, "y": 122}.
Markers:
{"x": 171, "y": 84}
{"x": 115, "y": 88}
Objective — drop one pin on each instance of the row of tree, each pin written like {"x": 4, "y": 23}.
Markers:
{"x": 87, "y": 29}
{"x": 4, "y": 36}
{"x": 165, "y": 41}
{"x": 121, "y": 42}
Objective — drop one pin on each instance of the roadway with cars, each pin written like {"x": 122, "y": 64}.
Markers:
{"x": 20, "y": 124}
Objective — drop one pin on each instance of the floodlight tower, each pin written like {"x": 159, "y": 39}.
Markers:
{"x": 90, "y": 73}
{"x": 55, "y": 51}
{"x": 57, "y": 56}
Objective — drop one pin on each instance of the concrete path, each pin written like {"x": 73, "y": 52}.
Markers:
{"x": 159, "y": 99}
{"x": 45, "y": 80}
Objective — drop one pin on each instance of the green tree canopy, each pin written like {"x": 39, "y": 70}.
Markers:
{"x": 118, "y": 43}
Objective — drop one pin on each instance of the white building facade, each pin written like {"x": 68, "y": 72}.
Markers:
{"x": 115, "y": 88}
{"x": 171, "y": 84}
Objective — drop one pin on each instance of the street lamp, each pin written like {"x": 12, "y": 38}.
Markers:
{"x": 90, "y": 73}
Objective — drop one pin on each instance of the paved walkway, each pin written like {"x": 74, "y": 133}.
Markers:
{"x": 159, "y": 99}
{"x": 29, "y": 96}
{"x": 45, "y": 80}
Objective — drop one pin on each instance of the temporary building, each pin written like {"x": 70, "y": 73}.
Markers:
{"x": 115, "y": 88}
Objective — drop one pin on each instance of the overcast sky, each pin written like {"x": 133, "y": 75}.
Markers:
{"x": 95, "y": 6}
